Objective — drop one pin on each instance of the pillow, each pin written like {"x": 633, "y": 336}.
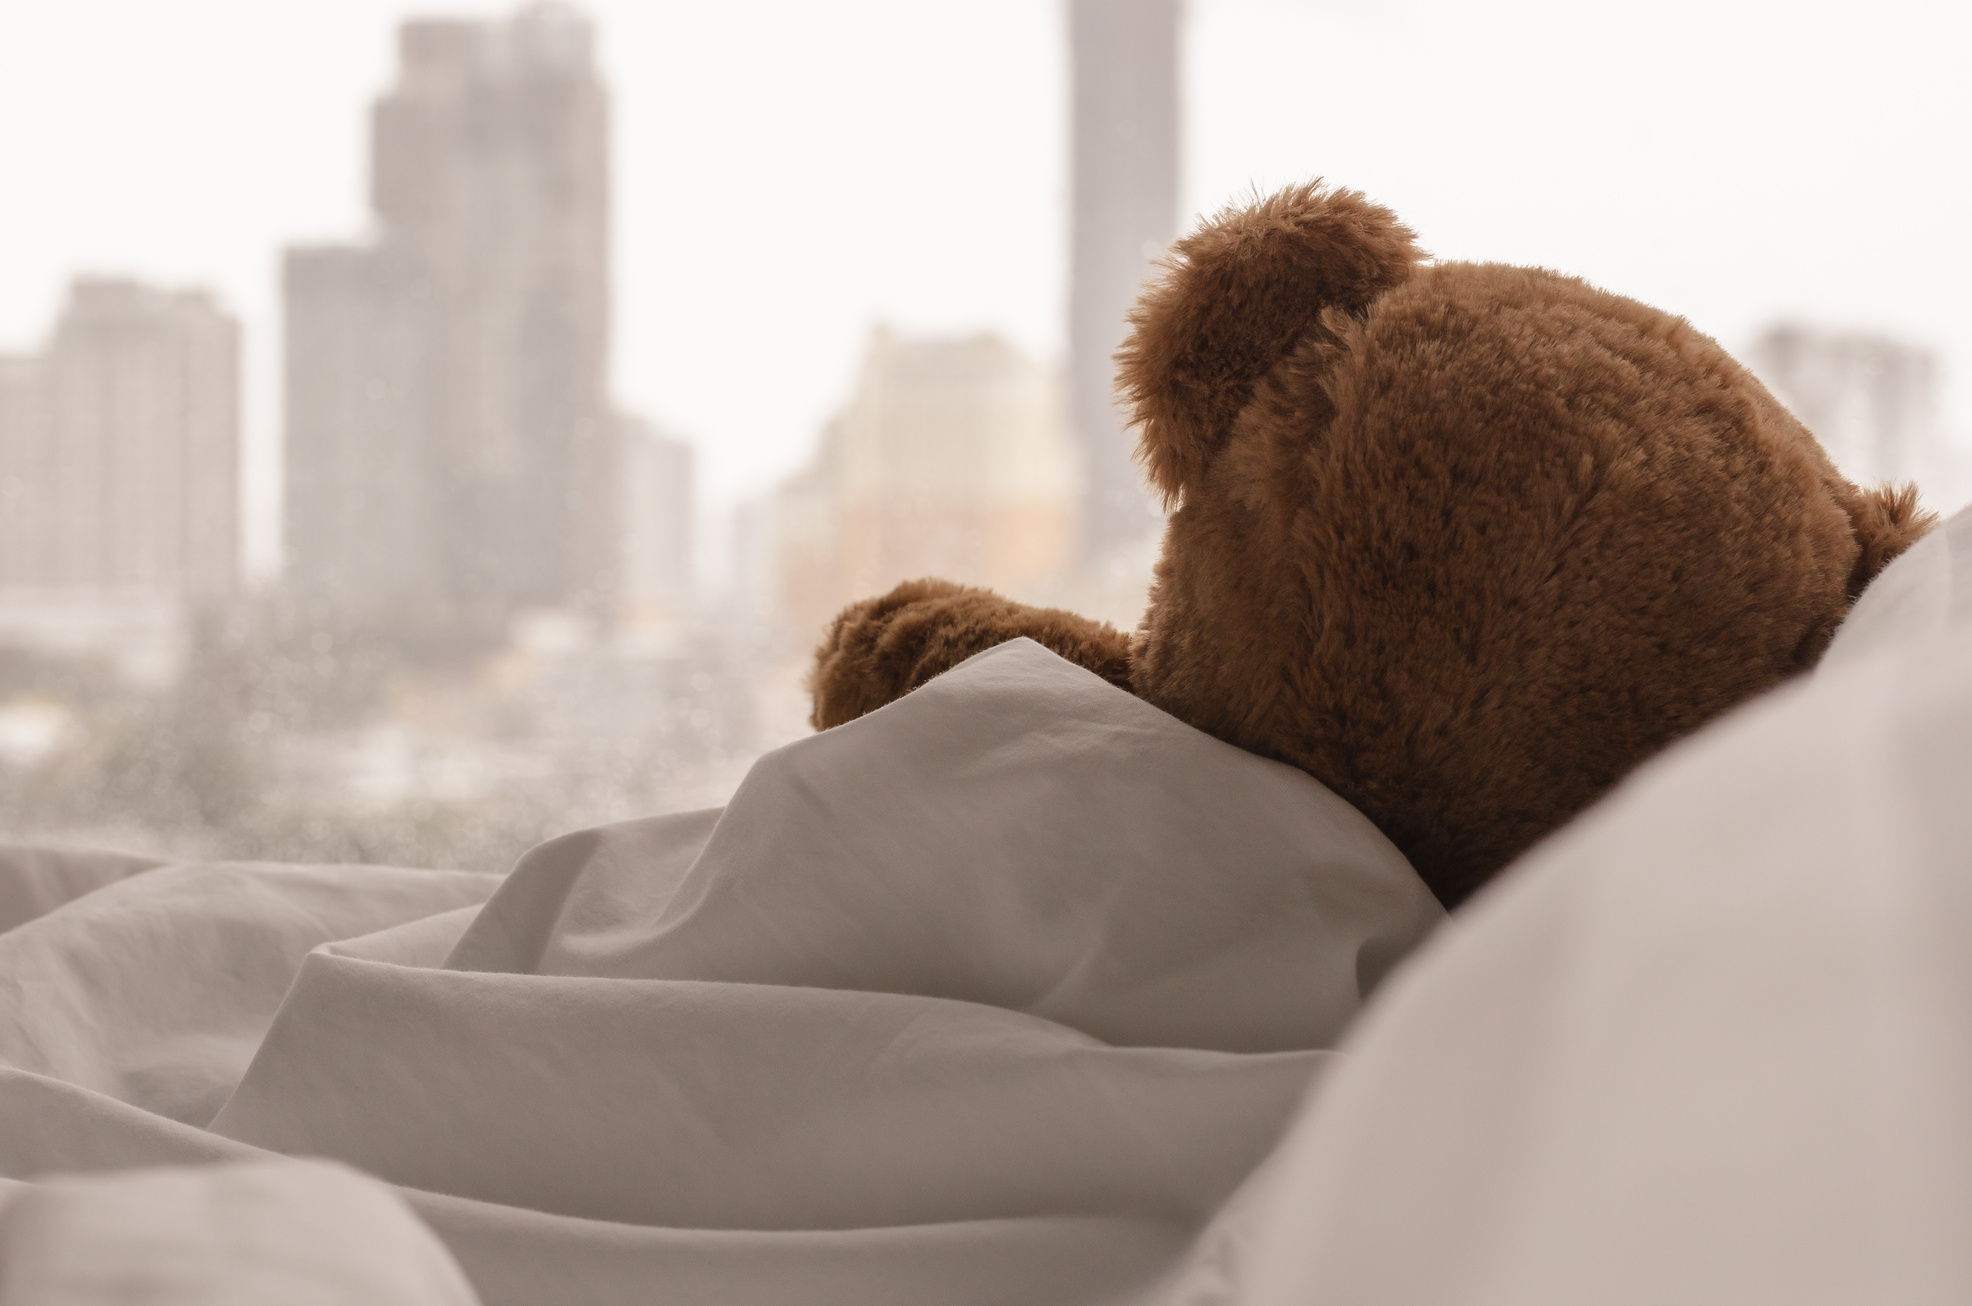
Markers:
{"x": 1710, "y": 1043}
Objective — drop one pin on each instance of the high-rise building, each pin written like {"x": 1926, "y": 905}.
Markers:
{"x": 1870, "y": 400}
{"x": 120, "y": 476}
{"x": 951, "y": 460}
{"x": 449, "y": 443}
{"x": 654, "y": 567}
{"x": 365, "y": 525}
{"x": 24, "y": 453}
{"x": 120, "y": 449}
{"x": 1125, "y": 213}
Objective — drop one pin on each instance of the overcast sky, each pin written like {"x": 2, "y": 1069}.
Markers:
{"x": 789, "y": 173}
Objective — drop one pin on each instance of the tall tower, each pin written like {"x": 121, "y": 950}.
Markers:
{"x": 1125, "y": 197}
{"x": 120, "y": 449}
{"x": 450, "y": 445}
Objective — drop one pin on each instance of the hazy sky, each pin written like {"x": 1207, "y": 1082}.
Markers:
{"x": 790, "y": 173}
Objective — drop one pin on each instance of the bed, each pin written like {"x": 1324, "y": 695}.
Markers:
{"x": 1018, "y": 990}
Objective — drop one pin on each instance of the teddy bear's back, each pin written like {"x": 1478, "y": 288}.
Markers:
{"x": 1471, "y": 555}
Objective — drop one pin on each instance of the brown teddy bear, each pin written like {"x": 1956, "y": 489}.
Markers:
{"x": 1465, "y": 542}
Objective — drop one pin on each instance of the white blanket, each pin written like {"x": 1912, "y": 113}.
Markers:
{"x": 995, "y": 995}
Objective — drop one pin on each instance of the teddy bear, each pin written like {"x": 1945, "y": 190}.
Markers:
{"x": 1466, "y": 542}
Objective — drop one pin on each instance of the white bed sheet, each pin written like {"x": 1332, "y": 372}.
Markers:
{"x": 992, "y": 996}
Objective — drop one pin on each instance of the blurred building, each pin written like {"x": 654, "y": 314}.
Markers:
{"x": 655, "y": 583}
{"x": 365, "y": 515}
{"x": 1872, "y": 402}
{"x": 952, "y": 459}
{"x": 450, "y": 452}
{"x": 1125, "y": 212}
{"x": 120, "y": 472}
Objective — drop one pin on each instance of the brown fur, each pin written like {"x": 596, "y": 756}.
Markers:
{"x": 1465, "y": 542}
{"x": 1238, "y": 294}
{"x": 881, "y": 649}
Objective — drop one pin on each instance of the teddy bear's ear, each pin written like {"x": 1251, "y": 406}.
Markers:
{"x": 1235, "y": 296}
{"x": 1886, "y": 521}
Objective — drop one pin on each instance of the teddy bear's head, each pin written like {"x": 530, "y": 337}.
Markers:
{"x": 1466, "y": 542}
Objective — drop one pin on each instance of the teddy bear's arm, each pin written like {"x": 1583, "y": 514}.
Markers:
{"x": 880, "y": 649}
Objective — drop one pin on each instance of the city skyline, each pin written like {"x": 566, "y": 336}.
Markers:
{"x": 782, "y": 178}
{"x": 191, "y": 191}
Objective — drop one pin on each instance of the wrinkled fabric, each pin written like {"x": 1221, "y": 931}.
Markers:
{"x": 155, "y": 988}
{"x": 995, "y": 995}
{"x": 300, "y": 1233}
{"x": 38, "y": 880}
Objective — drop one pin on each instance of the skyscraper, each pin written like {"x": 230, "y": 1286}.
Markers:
{"x": 654, "y": 569}
{"x": 950, "y": 460}
{"x": 1125, "y": 212}
{"x": 120, "y": 450}
{"x": 448, "y": 433}
{"x": 365, "y": 524}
